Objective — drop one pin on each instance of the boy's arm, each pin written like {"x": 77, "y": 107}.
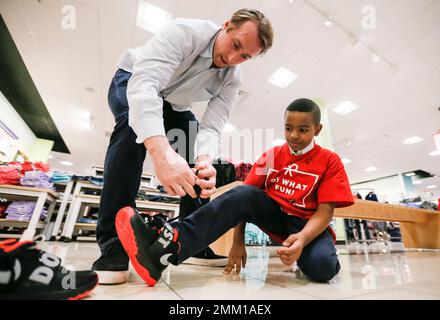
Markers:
{"x": 237, "y": 255}
{"x": 239, "y": 232}
{"x": 318, "y": 222}
{"x": 295, "y": 243}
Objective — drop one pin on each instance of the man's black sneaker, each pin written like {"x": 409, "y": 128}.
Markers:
{"x": 30, "y": 273}
{"x": 207, "y": 258}
{"x": 149, "y": 244}
{"x": 112, "y": 265}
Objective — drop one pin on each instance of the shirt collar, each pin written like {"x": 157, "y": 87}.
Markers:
{"x": 303, "y": 151}
{"x": 207, "y": 52}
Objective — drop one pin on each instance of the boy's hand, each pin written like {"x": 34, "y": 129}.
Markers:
{"x": 292, "y": 250}
{"x": 236, "y": 258}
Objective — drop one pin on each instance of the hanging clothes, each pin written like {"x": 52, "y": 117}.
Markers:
{"x": 225, "y": 172}
{"x": 242, "y": 170}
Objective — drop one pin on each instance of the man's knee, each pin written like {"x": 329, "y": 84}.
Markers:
{"x": 321, "y": 268}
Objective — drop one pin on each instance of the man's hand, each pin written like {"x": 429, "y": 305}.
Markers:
{"x": 206, "y": 177}
{"x": 292, "y": 250}
{"x": 236, "y": 258}
{"x": 171, "y": 169}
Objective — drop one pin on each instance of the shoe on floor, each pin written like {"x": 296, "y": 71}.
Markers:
{"x": 149, "y": 244}
{"x": 207, "y": 258}
{"x": 112, "y": 266}
{"x": 30, "y": 273}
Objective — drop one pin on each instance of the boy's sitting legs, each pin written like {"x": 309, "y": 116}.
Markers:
{"x": 318, "y": 260}
{"x": 150, "y": 249}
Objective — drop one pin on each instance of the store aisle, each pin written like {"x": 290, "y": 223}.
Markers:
{"x": 367, "y": 273}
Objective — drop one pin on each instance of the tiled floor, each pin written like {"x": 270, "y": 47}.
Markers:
{"x": 368, "y": 272}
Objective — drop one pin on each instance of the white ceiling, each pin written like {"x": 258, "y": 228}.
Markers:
{"x": 394, "y": 105}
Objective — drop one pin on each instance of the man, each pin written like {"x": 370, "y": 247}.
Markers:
{"x": 151, "y": 94}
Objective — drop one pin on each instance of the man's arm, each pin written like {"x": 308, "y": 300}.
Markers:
{"x": 171, "y": 169}
{"x": 208, "y": 139}
{"x": 295, "y": 243}
{"x": 155, "y": 64}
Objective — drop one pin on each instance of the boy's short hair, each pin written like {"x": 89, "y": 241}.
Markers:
{"x": 305, "y": 105}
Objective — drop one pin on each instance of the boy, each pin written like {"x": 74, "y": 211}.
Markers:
{"x": 290, "y": 193}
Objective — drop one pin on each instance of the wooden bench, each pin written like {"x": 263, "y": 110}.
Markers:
{"x": 419, "y": 228}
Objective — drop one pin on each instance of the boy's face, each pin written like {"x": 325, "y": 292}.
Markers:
{"x": 300, "y": 129}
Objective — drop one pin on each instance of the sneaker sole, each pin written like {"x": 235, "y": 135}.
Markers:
{"x": 112, "y": 277}
{"x": 206, "y": 262}
{"x": 82, "y": 295}
{"x": 53, "y": 295}
{"x": 126, "y": 236}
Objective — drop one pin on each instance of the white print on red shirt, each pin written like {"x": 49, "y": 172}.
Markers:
{"x": 292, "y": 185}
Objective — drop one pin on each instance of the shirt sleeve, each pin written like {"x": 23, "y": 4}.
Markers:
{"x": 257, "y": 176}
{"x": 334, "y": 186}
{"x": 214, "y": 119}
{"x": 154, "y": 65}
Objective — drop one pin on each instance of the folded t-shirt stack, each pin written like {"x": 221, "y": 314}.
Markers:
{"x": 60, "y": 176}
{"x": 22, "y": 211}
{"x": 10, "y": 175}
{"x": 37, "y": 179}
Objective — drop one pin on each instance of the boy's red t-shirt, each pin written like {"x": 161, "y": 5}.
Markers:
{"x": 299, "y": 183}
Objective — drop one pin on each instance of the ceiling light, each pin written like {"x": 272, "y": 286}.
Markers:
{"x": 412, "y": 140}
{"x": 228, "y": 128}
{"x": 435, "y": 153}
{"x": 346, "y": 161}
{"x": 66, "y": 163}
{"x": 50, "y": 157}
{"x": 282, "y": 77}
{"x": 328, "y": 22}
{"x": 345, "y": 107}
{"x": 278, "y": 142}
{"x": 151, "y": 17}
{"x": 410, "y": 174}
{"x": 431, "y": 187}
{"x": 371, "y": 169}
{"x": 417, "y": 182}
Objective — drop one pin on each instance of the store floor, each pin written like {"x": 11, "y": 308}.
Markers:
{"x": 375, "y": 271}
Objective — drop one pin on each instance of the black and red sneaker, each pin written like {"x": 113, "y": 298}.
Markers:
{"x": 149, "y": 244}
{"x": 30, "y": 273}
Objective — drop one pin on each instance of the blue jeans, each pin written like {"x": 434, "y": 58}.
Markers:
{"x": 124, "y": 161}
{"x": 318, "y": 260}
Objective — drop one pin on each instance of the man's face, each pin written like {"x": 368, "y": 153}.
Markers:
{"x": 299, "y": 129}
{"x": 236, "y": 45}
